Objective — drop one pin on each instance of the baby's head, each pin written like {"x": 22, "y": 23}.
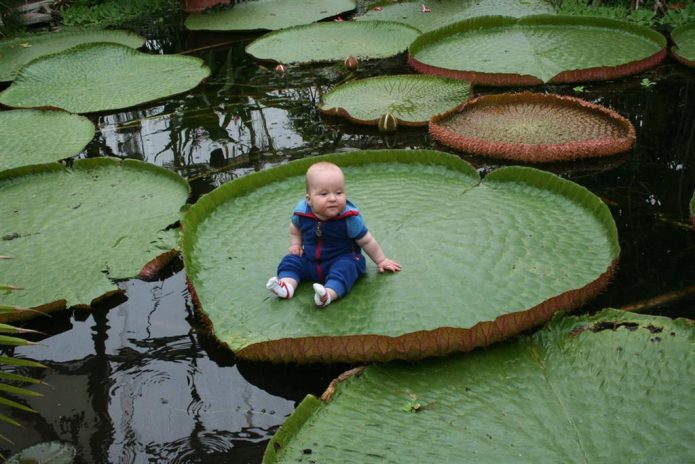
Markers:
{"x": 325, "y": 189}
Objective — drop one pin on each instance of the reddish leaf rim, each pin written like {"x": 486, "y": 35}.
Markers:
{"x": 539, "y": 153}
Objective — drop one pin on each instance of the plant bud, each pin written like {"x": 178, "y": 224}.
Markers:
{"x": 351, "y": 63}
{"x": 280, "y": 69}
{"x": 388, "y": 123}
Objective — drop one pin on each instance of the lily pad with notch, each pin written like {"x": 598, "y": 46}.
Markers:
{"x": 333, "y": 41}
{"x": 547, "y": 397}
{"x": 504, "y": 51}
{"x": 102, "y": 76}
{"x": 683, "y": 49}
{"x": 534, "y": 127}
{"x": 19, "y": 51}
{"x": 268, "y": 15}
{"x": 411, "y": 98}
{"x": 72, "y": 231}
{"x": 35, "y": 137}
{"x": 482, "y": 260}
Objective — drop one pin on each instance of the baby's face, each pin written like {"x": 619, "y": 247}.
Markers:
{"x": 326, "y": 194}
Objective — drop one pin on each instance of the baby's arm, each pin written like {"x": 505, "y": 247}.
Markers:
{"x": 295, "y": 240}
{"x": 374, "y": 251}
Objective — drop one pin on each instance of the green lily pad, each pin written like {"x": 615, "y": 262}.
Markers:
{"x": 72, "y": 231}
{"x": 615, "y": 387}
{"x": 413, "y": 98}
{"x": 15, "y": 53}
{"x": 268, "y": 15}
{"x": 99, "y": 77}
{"x": 481, "y": 260}
{"x": 52, "y": 452}
{"x": 534, "y": 127}
{"x": 333, "y": 41}
{"x": 684, "y": 40}
{"x": 34, "y": 137}
{"x": 498, "y": 50}
{"x": 444, "y": 12}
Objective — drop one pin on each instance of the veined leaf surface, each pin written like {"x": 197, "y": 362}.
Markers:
{"x": 684, "y": 44}
{"x": 608, "y": 388}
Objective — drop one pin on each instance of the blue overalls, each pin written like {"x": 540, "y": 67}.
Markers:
{"x": 330, "y": 252}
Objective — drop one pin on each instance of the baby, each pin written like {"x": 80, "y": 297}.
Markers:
{"x": 327, "y": 234}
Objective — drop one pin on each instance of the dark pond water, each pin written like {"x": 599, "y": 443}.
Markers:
{"x": 139, "y": 379}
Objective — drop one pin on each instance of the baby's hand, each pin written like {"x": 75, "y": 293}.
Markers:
{"x": 296, "y": 250}
{"x": 389, "y": 265}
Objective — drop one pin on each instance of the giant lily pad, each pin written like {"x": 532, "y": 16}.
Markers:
{"x": 333, "y": 41}
{"x": 609, "y": 388}
{"x": 99, "y": 77}
{"x": 268, "y": 15}
{"x": 481, "y": 260}
{"x": 412, "y": 98}
{"x": 15, "y": 53}
{"x": 534, "y": 127}
{"x": 34, "y": 137}
{"x": 427, "y": 16}
{"x": 71, "y": 231}
{"x": 498, "y": 50}
{"x": 684, "y": 40}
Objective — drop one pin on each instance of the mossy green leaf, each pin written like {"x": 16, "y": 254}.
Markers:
{"x": 684, "y": 43}
{"x": 412, "y": 98}
{"x": 444, "y": 12}
{"x": 472, "y": 253}
{"x": 99, "y": 77}
{"x": 71, "y": 231}
{"x": 34, "y": 137}
{"x": 333, "y": 41}
{"x": 268, "y": 15}
{"x": 541, "y": 47}
{"x": 16, "y": 52}
{"x": 615, "y": 387}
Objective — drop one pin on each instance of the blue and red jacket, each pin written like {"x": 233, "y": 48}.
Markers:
{"x": 326, "y": 240}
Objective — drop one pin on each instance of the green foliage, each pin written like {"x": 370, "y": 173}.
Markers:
{"x": 113, "y": 12}
{"x": 647, "y": 14}
{"x": 646, "y": 83}
{"x": 10, "y": 25}
{"x": 675, "y": 17}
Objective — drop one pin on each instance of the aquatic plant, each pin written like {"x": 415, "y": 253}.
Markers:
{"x": 534, "y": 127}
{"x": 509, "y": 250}
{"x": 683, "y": 49}
{"x": 103, "y": 76}
{"x": 268, "y": 15}
{"x": 547, "y": 397}
{"x": 113, "y": 12}
{"x": 21, "y": 50}
{"x": 364, "y": 40}
{"x": 489, "y": 50}
{"x": 35, "y": 137}
{"x": 412, "y": 98}
{"x": 101, "y": 220}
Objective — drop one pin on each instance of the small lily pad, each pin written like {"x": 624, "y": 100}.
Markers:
{"x": 534, "y": 127}
{"x": 333, "y": 41}
{"x": 52, "y": 452}
{"x": 99, "y": 77}
{"x": 412, "y": 99}
{"x": 499, "y": 50}
{"x": 34, "y": 137}
{"x": 684, "y": 44}
{"x": 614, "y": 387}
{"x": 268, "y": 15}
{"x": 15, "y": 53}
{"x": 429, "y": 15}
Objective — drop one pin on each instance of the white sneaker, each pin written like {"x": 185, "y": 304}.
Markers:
{"x": 321, "y": 296}
{"x": 278, "y": 288}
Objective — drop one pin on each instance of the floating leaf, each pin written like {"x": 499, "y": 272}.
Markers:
{"x": 481, "y": 260}
{"x": 534, "y": 127}
{"x": 34, "y": 137}
{"x": 498, "y": 50}
{"x": 413, "y": 98}
{"x": 333, "y": 41}
{"x": 100, "y": 77}
{"x": 581, "y": 390}
{"x": 53, "y": 452}
{"x": 15, "y": 53}
{"x": 268, "y": 15}
{"x": 684, "y": 44}
{"x": 445, "y": 12}
{"x": 72, "y": 231}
